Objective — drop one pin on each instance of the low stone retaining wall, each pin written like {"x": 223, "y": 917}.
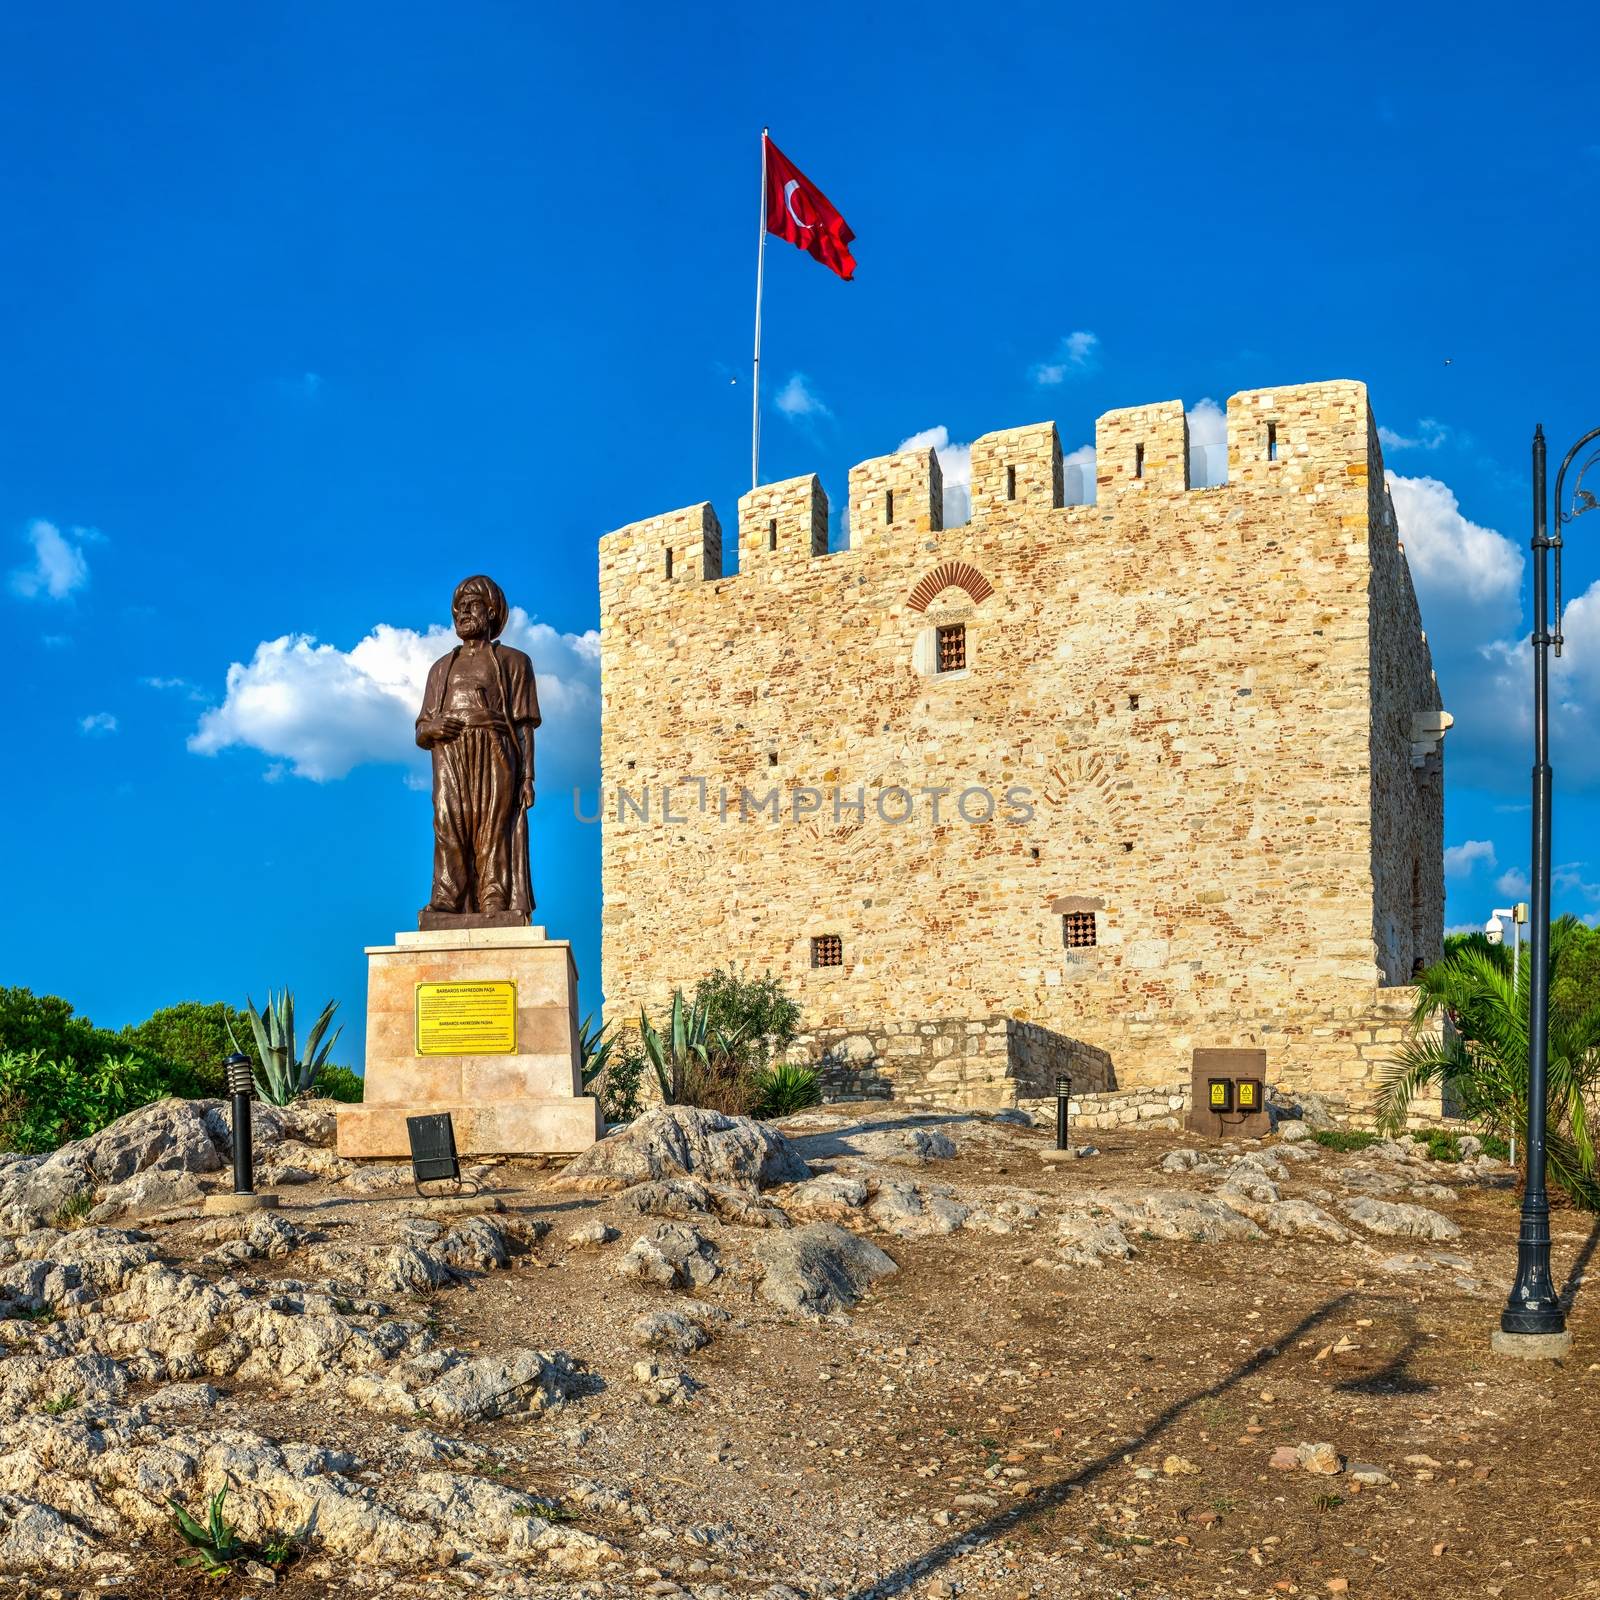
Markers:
{"x": 1117, "y": 1108}
{"x": 981, "y": 1064}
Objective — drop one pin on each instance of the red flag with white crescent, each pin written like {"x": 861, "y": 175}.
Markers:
{"x": 797, "y": 210}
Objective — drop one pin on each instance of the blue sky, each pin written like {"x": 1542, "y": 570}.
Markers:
{"x": 307, "y": 311}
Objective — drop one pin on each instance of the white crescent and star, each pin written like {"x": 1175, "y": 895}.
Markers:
{"x": 788, "y": 204}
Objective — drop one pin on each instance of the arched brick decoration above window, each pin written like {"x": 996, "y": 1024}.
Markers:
{"x": 960, "y": 574}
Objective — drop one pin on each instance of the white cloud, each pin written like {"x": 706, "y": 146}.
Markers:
{"x": 1460, "y": 860}
{"x": 59, "y": 568}
{"x": 955, "y": 468}
{"x": 1569, "y": 879}
{"x": 1078, "y": 477}
{"x": 1452, "y": 557}
{"x": 175, "y": 685}
{"x": 797, "y": 399}
{"x": 1493, "y": 703}
{"x": 1208, "y": 445}
{"x": 97, "y": 724}
{"x": 1429, "y": 436}
{"x": 1078, "y": 353}
{"x": 1512, "y": 883}
{"x": 323, "y": 711}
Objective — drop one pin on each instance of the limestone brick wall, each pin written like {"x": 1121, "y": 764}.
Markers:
{"x": 1186, "y": 711}
{"x": 980, "y": 1064}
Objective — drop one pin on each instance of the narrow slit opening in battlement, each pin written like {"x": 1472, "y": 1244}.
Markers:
{"x": 669, "y": 560}
{"x": 772, "y": 758}
{"x": 888, "y": 505}
{"x": 1272, "y": 441}
{"x": 1138, "y": 461}
{"x": 1011, "y": 483}
{"x": 1133, "y": 702}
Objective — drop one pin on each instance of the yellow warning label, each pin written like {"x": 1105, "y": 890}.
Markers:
{"x": 466, "y": 1019}
{"x": 1219, "y": 1094}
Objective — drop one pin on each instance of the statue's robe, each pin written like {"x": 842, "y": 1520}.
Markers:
{"x": 480, "y": 825}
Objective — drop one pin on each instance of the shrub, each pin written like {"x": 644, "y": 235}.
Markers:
{"x": 46, "y": 1024}
{"x": 621, "y": 1083}
{"x": 714, "y": 1048}
{"x": 341, "y": 1083}
{"x": 45, "y": 1102}
{"x": 753, "y": 1016}
{"x": 1442, "y": 1144}
{"x": 195, "y": 1035}
{"x": 785, "y": 1088}
{"x": 1344, "y": 1139}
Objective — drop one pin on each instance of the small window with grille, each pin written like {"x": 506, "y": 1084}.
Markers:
{"x": 827, "y": 950}
{"x": 1077, "y": 930}
{"x": 951, "y": 647}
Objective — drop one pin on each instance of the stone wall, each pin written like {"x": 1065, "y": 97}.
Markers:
{"x": 1191, "y": 713}
{"x": 984, "y": 1064}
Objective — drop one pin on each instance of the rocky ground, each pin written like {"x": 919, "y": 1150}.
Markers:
{"x": 874, "y": 1353}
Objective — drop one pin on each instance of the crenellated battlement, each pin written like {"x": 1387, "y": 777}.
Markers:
{"x": 1303, "y": 439}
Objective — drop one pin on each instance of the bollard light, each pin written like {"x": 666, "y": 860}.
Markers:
{"x": 241, "y": 1086}
{"x": 1063, "y": 1095}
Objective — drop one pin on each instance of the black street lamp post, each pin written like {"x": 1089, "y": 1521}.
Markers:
{"x": 1534, "y": 1309}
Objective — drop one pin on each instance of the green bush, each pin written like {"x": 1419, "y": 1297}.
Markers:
{"x": 1344, "y": 1139}
{"x": 621, "y": 1083}
{"x": 341, "y": 1083}
{"x": 753, "y": 1017}
{"x": 1442, "y": 1145}
{"x": 195, "y": 1035}
{"x": 46, "y": 1024}
{"x": 44, "y": 1103}
{"x": 63, "y": 1078}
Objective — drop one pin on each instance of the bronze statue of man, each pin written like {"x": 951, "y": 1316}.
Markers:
{"x": 478, "y": 714}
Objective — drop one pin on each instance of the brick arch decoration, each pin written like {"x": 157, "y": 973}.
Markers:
{"x": 959, "y": 574}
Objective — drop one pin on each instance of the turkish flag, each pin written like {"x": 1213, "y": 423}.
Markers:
{"x": 797, "y": 210}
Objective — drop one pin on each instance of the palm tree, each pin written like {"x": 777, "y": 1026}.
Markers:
{"x": 1481, "y": 1058}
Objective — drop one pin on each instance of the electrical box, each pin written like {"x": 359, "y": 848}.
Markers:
{"x": 1228, "y": 1094}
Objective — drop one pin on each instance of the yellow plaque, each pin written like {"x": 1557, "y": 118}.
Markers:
{"x": 466, "y": 1019}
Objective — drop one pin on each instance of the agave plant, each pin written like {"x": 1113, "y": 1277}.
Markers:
{"x": 281, "y": 1076}
{"x": 1482, "y": 1060}
{"x": 692, "y": 1057}
{"x": 594, "y": 1048}
{"x": 213, "y": 1544}
{"x": 784, "y": 1088}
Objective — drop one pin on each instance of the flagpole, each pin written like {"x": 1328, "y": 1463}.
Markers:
{"x": 755, "y": 380}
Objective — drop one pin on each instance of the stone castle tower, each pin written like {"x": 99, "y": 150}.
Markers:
{"x": 1067, "y": 783}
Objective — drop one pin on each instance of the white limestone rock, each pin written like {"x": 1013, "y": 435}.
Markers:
{"x": 687, "y": 1141}
{"x": 819, "y": 1269}
{"x": 672, "y": 1255}
{"x": 1399, "y": 1220}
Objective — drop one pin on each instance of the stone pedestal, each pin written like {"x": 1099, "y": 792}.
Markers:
{"x": 525, "y": 1101}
